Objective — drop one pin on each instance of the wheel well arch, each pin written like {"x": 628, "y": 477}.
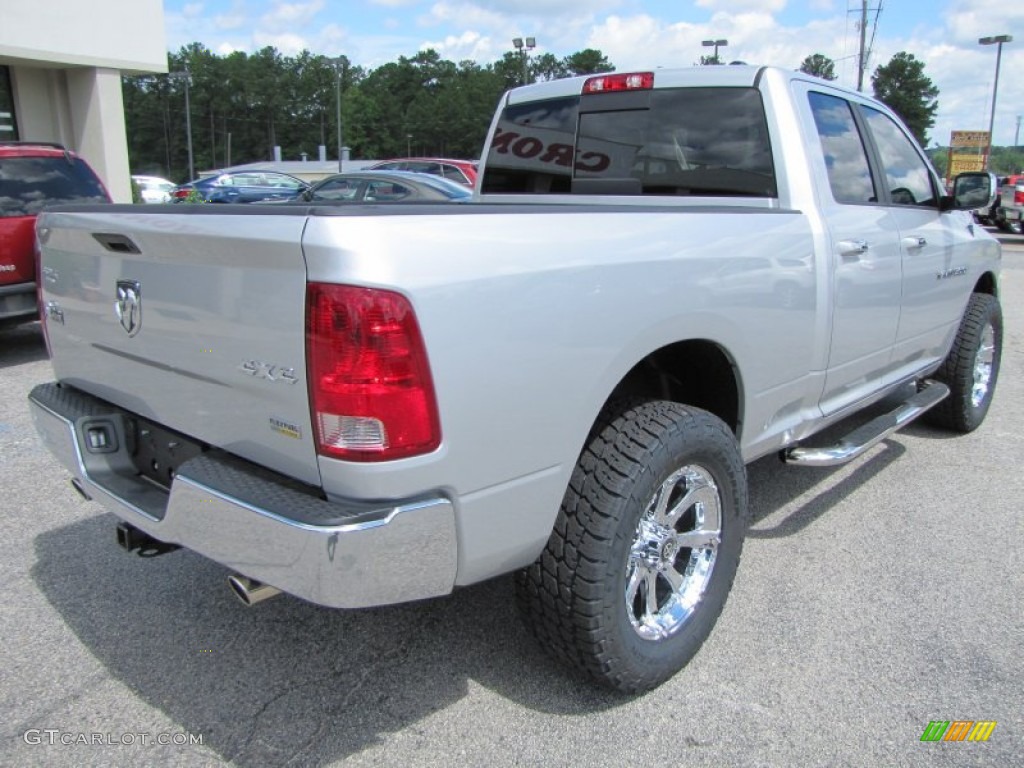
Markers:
{"x": 987, "y": 284}
{"x": 696, "y": 372}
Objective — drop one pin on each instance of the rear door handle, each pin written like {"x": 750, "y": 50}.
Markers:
{"x": 914, "y": 242}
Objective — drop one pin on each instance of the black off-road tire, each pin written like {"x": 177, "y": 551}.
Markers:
{"x": 573, "y": 599}
{"x": 981, "y": 326}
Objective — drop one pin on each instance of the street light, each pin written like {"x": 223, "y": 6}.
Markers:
{"x": 998, "y": 42}
{"x": 524, "y": 49}
{"x": 715, "y": 44}
{"x": 187, "y": 77}
{"x": 339, "y": 68}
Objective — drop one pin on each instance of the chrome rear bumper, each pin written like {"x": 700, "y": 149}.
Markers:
{"x": 253, "y": 521}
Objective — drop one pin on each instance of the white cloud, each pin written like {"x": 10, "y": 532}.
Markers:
{"x": 544, "y": 8}
{"x": 969, "y": 20}
{"x": 465, "y": 15}
{"x": 756, "y": 6}
{"x": 468, "y": 45}
{"x": 287, "y": 43}
{"x": 755, "y": 38}
{"x": 291, "y": 15}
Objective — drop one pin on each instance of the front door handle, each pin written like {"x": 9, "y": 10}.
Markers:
{"x": 914, "y": 242}
{"x": 853, "y": 247}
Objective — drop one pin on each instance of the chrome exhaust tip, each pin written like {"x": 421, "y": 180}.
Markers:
{"x": 250, "y": 591}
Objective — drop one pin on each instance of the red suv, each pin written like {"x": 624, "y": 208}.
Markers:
{"x": 34, "y": 175}
{"x": 462, "y": 171}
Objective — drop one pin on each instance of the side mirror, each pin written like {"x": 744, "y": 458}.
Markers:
{"x": 976, "y": 190}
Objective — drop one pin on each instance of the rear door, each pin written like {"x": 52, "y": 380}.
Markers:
{"x": 865, "y": 252}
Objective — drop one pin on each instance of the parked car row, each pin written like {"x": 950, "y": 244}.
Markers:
{"x": 448, "y": 180}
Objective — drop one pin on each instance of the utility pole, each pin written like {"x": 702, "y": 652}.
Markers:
{"x": 339, "y": 68}
{"x": 1016, "y": 134}
{"x": 862, "y": 63}
{"x": 186, "y": 77}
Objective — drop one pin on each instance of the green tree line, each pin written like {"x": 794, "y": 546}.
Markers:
{"x": 243, "y": 105}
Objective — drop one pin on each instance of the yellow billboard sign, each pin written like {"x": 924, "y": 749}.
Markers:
{"x": 968, "y": 139}
{"x": 960, "y": 163}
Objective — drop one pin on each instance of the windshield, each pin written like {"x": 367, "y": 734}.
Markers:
{"x": 30, "y": 184}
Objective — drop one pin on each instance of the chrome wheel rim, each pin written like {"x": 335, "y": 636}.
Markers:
{"x": 673, "y": 553}
{"x": 983, "y": 366}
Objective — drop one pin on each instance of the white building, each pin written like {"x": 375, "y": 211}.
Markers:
{"x": 60, "y": 75}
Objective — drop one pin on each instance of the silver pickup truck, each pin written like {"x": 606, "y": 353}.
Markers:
{"x": 664, "y": 276}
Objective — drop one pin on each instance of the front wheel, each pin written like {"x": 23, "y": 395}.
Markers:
{"x": 972, "y": 366}
{"x": 645, "y": 547}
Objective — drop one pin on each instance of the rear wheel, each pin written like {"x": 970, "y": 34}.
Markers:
{"x": 645, "y": 547}
{"x": 972, "y": 366}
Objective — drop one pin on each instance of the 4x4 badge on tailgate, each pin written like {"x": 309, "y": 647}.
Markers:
{"x": 129, "y": 305}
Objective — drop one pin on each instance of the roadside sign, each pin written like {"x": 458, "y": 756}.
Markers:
{"x": 961, "y": 163}
{"x": 978, "y": 139}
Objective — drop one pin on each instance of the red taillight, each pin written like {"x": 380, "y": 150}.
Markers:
{"x": 179, "y": 194}
{"x": 1018, "y": 196}
{"x": 370, "y": 387}
{"x": 629, "y": 81}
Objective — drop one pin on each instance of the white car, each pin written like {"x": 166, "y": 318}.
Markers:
{"x": 154, "y": 189}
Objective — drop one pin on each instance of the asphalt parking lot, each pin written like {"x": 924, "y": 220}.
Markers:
{"x": 872, "y": 599}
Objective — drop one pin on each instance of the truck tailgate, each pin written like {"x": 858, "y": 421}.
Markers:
{"x": 203, "y": 333}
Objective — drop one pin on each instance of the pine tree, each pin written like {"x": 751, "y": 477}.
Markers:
{"x": 819, "y": 65}
{"x": 903, "y": 87}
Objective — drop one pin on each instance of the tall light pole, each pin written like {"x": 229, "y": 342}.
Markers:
{"x": 187, "y": 77}
{"x": 998, "y": 41}
{"x": 715, "y": 44}
{"x": 339, "y": 67}
{"x": 524, "y": 49}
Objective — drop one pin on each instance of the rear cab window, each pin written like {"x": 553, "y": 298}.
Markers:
{"x": 672, "y": 141}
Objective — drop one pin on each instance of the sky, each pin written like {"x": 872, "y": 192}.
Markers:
{"x": 643, "y": 34}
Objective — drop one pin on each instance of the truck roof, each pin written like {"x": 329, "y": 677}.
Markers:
{"x": 735, "y": 75}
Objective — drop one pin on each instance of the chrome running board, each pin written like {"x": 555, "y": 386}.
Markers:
{"x": 870, "y": 434}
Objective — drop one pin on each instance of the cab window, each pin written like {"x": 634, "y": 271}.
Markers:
{"x": 906, "y": 173}
{"x": 846, "y": 160}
